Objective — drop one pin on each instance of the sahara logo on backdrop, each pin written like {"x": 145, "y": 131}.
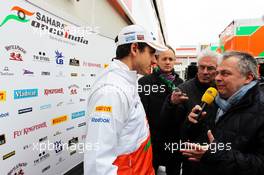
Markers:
{"x": 45, "y": 24}
{"x": 21, "y": 15}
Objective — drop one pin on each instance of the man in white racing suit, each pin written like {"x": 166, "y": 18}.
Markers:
{"x": 117, "y": 122}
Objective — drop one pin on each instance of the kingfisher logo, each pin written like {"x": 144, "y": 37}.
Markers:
{"x": 2, "y": 95}
{"x": 26, "y": 131}
{"x": 78, "y": 114}
{"x": 20, "y": 16}
{"x": 95, "y": 65}
{"x": 25, "y": 93}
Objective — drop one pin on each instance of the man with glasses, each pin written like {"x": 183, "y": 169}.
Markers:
{"x": 175, "y": 109}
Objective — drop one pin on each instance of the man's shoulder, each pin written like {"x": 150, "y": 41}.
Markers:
{"x": 147, "y": 79}
{"x": 188, "y": 84}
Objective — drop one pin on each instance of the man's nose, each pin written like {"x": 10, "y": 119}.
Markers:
{"x": 153, "y": 60}
{"x": 205, "y": 70}
{"x": 218, "y": 77}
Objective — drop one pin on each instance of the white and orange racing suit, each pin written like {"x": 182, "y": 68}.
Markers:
{"x": 117, "y": 125}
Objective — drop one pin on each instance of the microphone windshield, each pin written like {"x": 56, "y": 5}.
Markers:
{"x": 209, "y": 95}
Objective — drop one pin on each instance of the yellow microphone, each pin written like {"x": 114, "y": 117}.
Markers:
{"x": 207, "y": 99}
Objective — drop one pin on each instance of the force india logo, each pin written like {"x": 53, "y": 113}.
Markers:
{"x": 21, "y": 15}
{"x": 43, "y": 23}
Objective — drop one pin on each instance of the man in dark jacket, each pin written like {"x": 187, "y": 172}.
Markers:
{"x": 236, "y": 135}
{"x": 174, "y": 112}
{"x": 153, "y": 89}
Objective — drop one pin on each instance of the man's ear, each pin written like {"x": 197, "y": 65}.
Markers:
{"x": 250, "y": 77}
{"x": 134, "y": 49}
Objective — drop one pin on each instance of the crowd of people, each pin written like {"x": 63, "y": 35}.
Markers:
{"x": 137, "y": 132}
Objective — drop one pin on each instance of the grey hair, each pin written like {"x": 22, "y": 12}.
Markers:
{"x": 211, "y": 54}
{"x": 246, "y": 62}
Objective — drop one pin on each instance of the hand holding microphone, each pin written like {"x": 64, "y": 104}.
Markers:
{"x": 198, "y": 111}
